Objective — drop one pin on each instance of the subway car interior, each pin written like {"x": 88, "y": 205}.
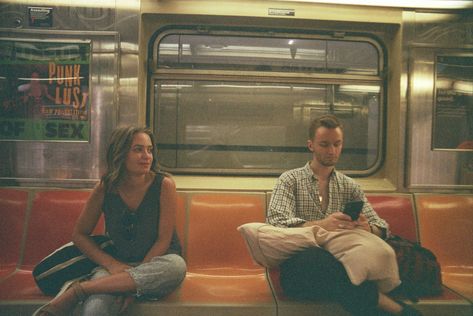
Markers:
{"x": 229, "y": 89}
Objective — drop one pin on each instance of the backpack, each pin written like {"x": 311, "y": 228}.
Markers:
{"x": 419, "y": 269}
{"x": 67, "y": 263}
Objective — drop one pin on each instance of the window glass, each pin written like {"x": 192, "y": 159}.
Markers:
{"x": 239, "y": 103}
{"x": 267, "y": 54}
{"x": 258, "y": 126}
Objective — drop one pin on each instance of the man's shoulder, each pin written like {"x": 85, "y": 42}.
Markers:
{"x": 294, "y": 174}
{"x": 343, "y": 178}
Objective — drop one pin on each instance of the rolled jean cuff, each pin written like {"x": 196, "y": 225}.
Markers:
{"x": 158, "y": 277}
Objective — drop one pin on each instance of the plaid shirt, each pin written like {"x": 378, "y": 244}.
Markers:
{"x": 295, "y": 198}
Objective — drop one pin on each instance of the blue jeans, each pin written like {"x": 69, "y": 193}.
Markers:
{"x": 153, "y": 279}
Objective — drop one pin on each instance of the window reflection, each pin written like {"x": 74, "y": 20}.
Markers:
{"x": 242, "y": 102}
{"x": 267, "y": 54}
{"x": 245, "y": 126}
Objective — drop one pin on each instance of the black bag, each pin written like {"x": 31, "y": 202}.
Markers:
{"x": 419, "y": 269}
{"x": 65, "y": 264}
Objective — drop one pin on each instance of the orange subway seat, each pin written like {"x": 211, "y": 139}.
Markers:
{"x": 13, "y": 204}
{"x": 220, "y": 269}
{"x": 225, "y": 288}
{"x": 53, "y": 216}
{"x": 213, "y": 240}
{"x": 446, "y": 227}
{"x": 50, "y": 224}
{"x": 397, "y": 210}
{"x": 20, "y": 286}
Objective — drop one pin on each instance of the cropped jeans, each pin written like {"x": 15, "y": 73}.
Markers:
{"x": 153, "y": 280}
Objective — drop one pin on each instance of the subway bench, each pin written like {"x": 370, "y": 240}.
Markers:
{"x": 222, "y": 279}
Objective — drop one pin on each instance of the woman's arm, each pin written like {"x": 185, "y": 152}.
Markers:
{"x": 167, "y": 219}
{"x": 85, "y": 225}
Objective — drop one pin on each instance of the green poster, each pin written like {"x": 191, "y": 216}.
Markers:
{"x": 44, "y": 90}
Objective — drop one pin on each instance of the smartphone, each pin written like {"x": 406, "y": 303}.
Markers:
{"x": 353, "y": 209}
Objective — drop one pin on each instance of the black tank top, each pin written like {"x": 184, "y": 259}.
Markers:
{"x": 134, "y": 233}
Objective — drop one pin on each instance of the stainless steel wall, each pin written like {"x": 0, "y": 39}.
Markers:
{"x": 112, "y": 28}
{"x": 427, "y": 34}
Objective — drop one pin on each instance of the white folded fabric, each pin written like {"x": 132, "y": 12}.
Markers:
{"x": 270, "y": 245}
{"x": 365, "y": 256}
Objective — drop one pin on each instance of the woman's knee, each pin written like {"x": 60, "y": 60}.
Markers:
{"x": 160, "y": 276}
{"x": 174, "y": 265}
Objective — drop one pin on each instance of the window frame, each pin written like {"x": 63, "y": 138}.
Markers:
{"x": 161, "y": 74}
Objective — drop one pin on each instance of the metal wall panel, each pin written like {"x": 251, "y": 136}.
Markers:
{"x": 425, "y": 35}
{"x": 113, "y": 32}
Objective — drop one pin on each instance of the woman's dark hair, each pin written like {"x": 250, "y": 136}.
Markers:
{"x": 117, "y": 151}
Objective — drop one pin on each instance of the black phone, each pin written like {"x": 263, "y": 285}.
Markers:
{"x": 353, "y": 209}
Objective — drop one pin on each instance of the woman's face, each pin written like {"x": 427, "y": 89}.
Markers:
{"x": 140, "y": 156}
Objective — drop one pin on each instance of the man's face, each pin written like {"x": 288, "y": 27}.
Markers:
{"x": 326, "y": 145}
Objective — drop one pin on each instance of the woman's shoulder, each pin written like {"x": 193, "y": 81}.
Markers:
{"x": 98, "y": 192}
{"x": 167, "y": 181}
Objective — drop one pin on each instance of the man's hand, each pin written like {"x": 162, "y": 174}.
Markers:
{"x": 337, "y": 220}
{"x": 362, "y": 222}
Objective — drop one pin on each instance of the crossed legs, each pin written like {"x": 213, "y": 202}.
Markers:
{"x": 314, "y": 274}
{"x": 105, "y": 292}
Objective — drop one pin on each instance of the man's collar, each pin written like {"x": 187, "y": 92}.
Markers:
{"x": 310, "y": 173}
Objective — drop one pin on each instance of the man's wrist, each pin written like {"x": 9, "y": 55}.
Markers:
{"x": 308, "y": 224}
{"x": 375, "y": 230}
{"x": 378, "y": 231}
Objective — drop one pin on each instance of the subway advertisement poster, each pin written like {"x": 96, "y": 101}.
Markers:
{"x": 44, "y": 90}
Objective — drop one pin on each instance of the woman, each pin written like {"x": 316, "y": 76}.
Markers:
{"x": 139, "y": 205}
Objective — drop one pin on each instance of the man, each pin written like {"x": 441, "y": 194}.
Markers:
{"x": 314, "y": 195}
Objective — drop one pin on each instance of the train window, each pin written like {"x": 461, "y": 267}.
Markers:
{"x": 242, "y": 104}
{"x": 267, "y": 54}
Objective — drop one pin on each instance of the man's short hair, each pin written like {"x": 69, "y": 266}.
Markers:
{"x": 328, "y": 121}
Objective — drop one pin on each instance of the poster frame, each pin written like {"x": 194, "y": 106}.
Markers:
{"x": 63, "y": 40}
{"x": 435, "y": 106}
